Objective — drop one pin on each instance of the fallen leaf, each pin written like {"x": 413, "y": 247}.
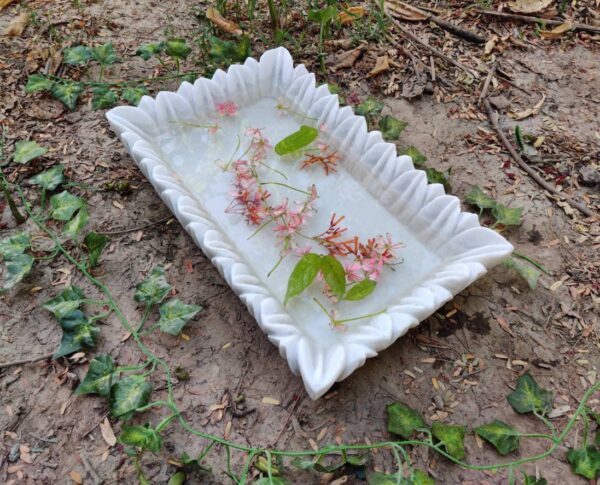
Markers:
{"x": 521, "y": 115}
{"x": 504, "y": 325}
{"x": 221, "y": 22}
{"x": 17, "y": 25}
{"x": 5, "y": 3}
{"x": 558, "y": 31}
{"x": 559, "y": 411}
{"x": 405, "y": 11}
{"x": 348, "y": 58}
{"x": 271, "y": 400}
{"x": 381, "y": 65}
{"x": 108, "y": 433}
{"x": 350, "y": 14}
{"x": 490, "y": 45}
{"x": 76, "y": 477}
{"x": 529, "y": 6}
{"x": 118, "y": 205}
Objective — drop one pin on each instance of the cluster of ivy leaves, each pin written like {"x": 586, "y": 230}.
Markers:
{"x": 391, "y": 128}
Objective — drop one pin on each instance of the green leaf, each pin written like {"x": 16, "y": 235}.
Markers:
{"x": 153, "y": 289}
{"x": 104, "y": 54}
{"x": 65, "y": 302}
{"x": 527, "y": 271}
{"x": 418, "y": 158}
{"x": 297, "y": 140}
{"x": 177, "y": 48}
{"x": 67, "y": 92}
{"x": 529, "y": 396}
{"x": 38, "y": 82}
{"x": 323, "y": 15}
{"x": 585, "y": 461}
{"x": 334, "y": 274}
{"x": 177, "y": 479}
{"x": 227, "y": 52}
{"x": 78, "y": 332}
{"x": 379, "y": 478}
{"x": 16, "y": 269}
{"x": 27, "y": 150}
{"x": 141, "y": 437}
{"x": 507, "y": 216}
{"x": 174, "y": 314}
{"x": 104, "y": 97}
{"x": 13, "y": 246}
{"x": 271, "y": 481}
{"x": 519, "y": 138}
{"x": 505, "y": 438}
{"x": 369, "y": 107}
{"x": 50, "y": 179}
{"x": 391, "y": 127}
{"x": 148, "y": 51}
{"x": 403, "y": 420}
{"x": 95, "y": 244}
{"x": 75, "y": 225}
{"x": 452, "y": 436}
{"x": 77, "y": 56}
{"x": 99, "y": 377}
{"x": 419, "y": 477}
{"x": 64, "y": 205}
{"x": 531, "y": 480}
{"x": 128, "y": 394}
{"x": 436, "y": 177}
{"x": 133, "y": 95}
{"x": 360, "y": 290}
{"x": 302, "y": 275}
{"x": 478, "y": 198}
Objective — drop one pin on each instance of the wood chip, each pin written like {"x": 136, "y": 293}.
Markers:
{"x": 108, "y": 433}
{"x": 118, "y": 205}
{"x": 271, "y": 400}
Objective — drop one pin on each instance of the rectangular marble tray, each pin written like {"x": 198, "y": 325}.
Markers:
{"x": 377, "y": 191}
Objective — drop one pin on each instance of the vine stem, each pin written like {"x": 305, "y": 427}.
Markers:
{"x": 328, "y": 450}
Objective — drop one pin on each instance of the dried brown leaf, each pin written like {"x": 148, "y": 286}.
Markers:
{"x": 350, "y": 14}
{"x": 17, "y": 25}
{"x": 521, "y": 115}
{"x": 221, "y": 22}
{"x": 381, "y": 65}
{"x": 529, "y": 6}
{"x": 404, "y": 11}
{"x": 108, "y": 433}
{"x": 5, "y": 3}
{"x": 558, "y": 31}
{"x": 504, "y": 325}
{"x": 76, "y": 477}
{"x": 348, "y": 58}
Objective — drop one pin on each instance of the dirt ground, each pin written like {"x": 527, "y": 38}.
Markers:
{"x": 500, "y": 328}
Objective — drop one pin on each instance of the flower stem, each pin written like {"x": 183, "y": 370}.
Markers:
{"x": 286, "y": 186}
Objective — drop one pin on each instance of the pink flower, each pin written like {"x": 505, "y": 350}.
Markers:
{"x": 227, "y": 109}
{"x": 354, "y": 271}
{"x": 303, "y": 250}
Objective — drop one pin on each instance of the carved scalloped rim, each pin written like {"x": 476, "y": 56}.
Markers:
{"x": 469, "y": 250}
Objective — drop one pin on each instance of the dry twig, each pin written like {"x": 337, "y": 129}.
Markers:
{"x": 33, "y": 360}
{"x": 527, "y": 18}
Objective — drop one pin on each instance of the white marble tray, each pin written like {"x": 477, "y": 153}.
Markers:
{"x": 378, "y": 192}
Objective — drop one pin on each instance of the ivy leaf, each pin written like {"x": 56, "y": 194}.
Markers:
{"x": 478, "y": 198}
{"x": 334, "y": 274}
{"x": 95, "y": 244}
{"x": 270, "y": 481}
{"x": 27, "y": 150}
{"x": 528, "y": 272}
{"x": 585, "y": 461}
{"x": 99, "y": 376}
{"x": 419, "y": 477}
{"x": 104, "y": 54}
{"x": 403, "y": 420}
{"x": 452, "y": 437}
{"x": 78, "y": 332}
{"x": 531, "y": 480}
{"x": 391, "y": 127}
{"x": 297, "y": 140}
{"x": 142, "y": 437}
{"x": 323, "y": 15}
{"x": 67, "y": 301}
{"x": 75, "y": 225}
{"x": 174, "y": 314}
{"x": 369, "y": 107}
{"x": 529, "y": 396}
{"x": 17, "y": 268}
{"x": 64, "y": 205}
{"x": 302, "y": 275}
{"x": 223, "y": 51}
{"x": 67, "y": 92}
{"x": 148, "y": 51}
{"x": 507, "y": 216}
{"x": 38, "y": 82}
{"x": 177, "y": 478}
{"x": 436, "y": 177}
{"x": 13, "y": 246}
{"x": 133, "y": 95}
{"x": 418, "y": 158}
{"x": 50, "y": 179}
{"x": 104, "y": 97}
{"x": 128, "y": 394}
{"x": 360, "y": 290}
{"x": 153, "y": 289}
{"x": 505, "y": 438}
{"x": 177, "y": 49}
{"x": 77, "y": 56}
